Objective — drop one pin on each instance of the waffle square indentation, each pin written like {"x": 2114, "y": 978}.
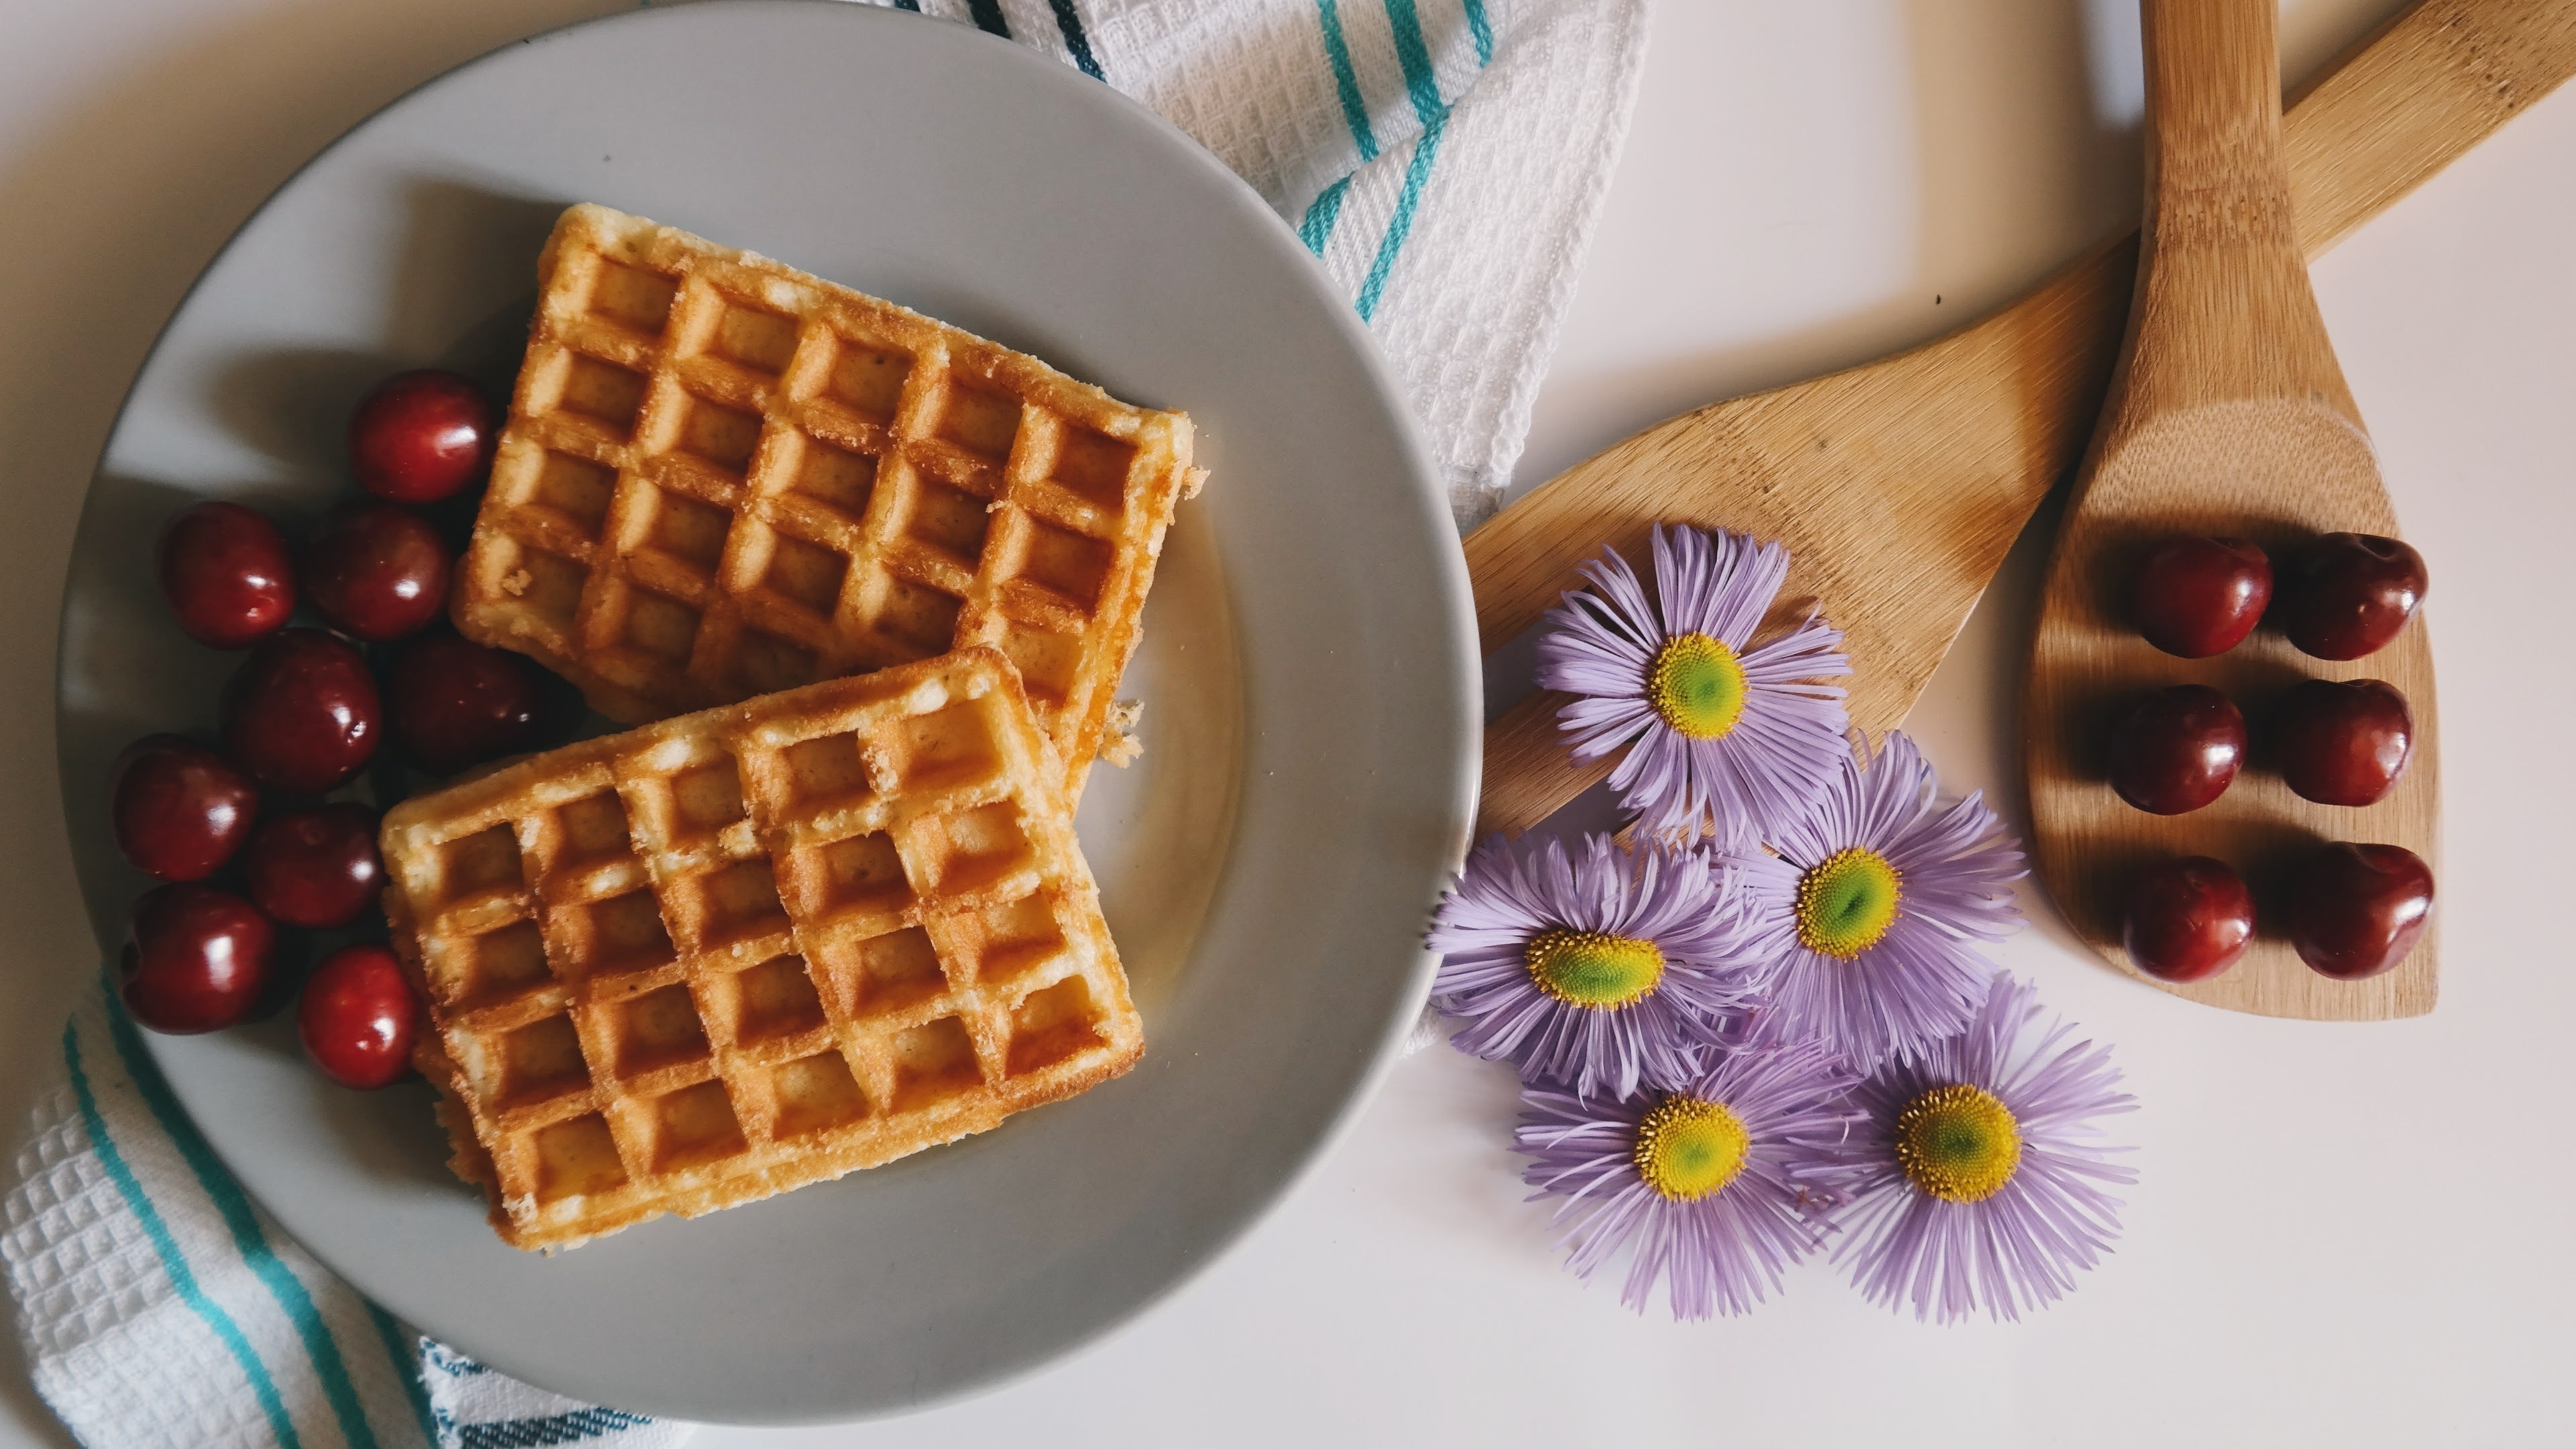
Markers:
{"x": 836, "y": 478}
{"x": 914, "y": 621}
{"x": 538, "y": 1063}
{"x": 755, "y": 337}
{"x": 632, "y": 298}
{"x": 623, "y": 934}
{"x": 593, "y": 831}
{"x": 774, "y": 999}
{"x": 943, "y": 749}
{"x": 704, "y": 800}
{"x": 577, "y": 488}
{"x": 948, "y": 519}
{"x": 980, "y": 420}
{"x": 933, "y": 1063}
{"x": 826, "y": 773}
{"x": 655, "y": 1030}
{"x": 576, "y": 1158}
{"x": 661, "y": 626}
{"x": 487, "y": 860}
{"x": 719, "y": 436}
{"x": 1067, "y": 564}
{"x": 493, "y": 967}
{"x": 1094, "y": 466}
{"x": 860, "y": 876}
{"x": 548, "y": 585}
{"x": 1014, "y": 939}
{"x": 816, "y": 1094}
{"x": 1053, "y": 1023}
{"x": 868, "y": 378}
{"x": 738, "y": 902}
{"x": 983, "y": 845}
{"x": 892, "y": 972}
{"x": 694, "y": 1125}
{"x": 605, "y": 393}
{"x": 689, "y": 530}
{"x": 807, "y": 573}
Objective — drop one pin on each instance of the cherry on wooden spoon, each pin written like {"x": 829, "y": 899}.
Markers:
{"x": 2228, "y": 416}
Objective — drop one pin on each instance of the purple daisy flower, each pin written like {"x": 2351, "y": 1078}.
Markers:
{"x": 1727, "y": 740}
{"x": 1596, "y": 967}
{"x": 1714, "y": 1186}
{"x": 1976, "y": 1178}
{"x": 1867, "y": 908}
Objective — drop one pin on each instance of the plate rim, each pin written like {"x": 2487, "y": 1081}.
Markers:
{"x": 1454, "y": 589}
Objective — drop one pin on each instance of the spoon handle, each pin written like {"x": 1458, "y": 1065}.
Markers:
{"x": 2224, "y": 310}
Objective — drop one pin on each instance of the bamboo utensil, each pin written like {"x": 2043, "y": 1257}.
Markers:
{"x": 2227, "y": 415}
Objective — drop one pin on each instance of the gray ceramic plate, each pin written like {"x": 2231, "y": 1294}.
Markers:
{"x": 1308, "y": 672}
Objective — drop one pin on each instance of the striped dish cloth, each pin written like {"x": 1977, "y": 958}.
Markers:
{"x": 163, "y": 1310}
{"x": 1442, "y": 159}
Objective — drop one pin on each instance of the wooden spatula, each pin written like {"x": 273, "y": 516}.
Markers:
{"x": 2228, "y": 415}
{"x": 1899, "y": 485}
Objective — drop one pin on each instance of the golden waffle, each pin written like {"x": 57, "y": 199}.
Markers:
{"x": 722, "y": 477}
{"x": 685, "y": 967}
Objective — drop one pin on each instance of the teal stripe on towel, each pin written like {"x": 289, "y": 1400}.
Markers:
{"x": 1346, "y": 80}
{"x": 1483, "y": 31}
{"x": 405, "y": 1353}
{"x": 272, "y": 1273}
{"x": 1317, "y": 228}
{"x": 1416, "y": 176}
{"x": 262, "y": 1387}
{"x": 1420, "y": 81}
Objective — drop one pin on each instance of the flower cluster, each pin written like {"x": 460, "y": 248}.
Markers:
{"x": 1768, "y": 1019}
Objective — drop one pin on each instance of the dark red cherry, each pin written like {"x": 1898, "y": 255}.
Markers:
{"x": 2348, "y": 594}
{"x": 195, "y": 959}
{"x": 315, "y": 868}
{"x": 377, "y": 572}
{"x": 2201, "y": 596}
{"x": 420, "y": 437}
{"x": 301, "y": 714}
{"x": 359, "y": 1017}
{"x": 2188, "y": 919}
{"x": 2177, "y": 750}
{"x": 180, "y": 810}
{"x": 456, "y": 703}
{"x": 227, "y": 576}
{"x": 2343, "y": 742}
{"x": 2356, "y": 910}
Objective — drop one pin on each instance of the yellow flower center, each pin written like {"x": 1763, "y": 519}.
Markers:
{"x": 1697, "y": 685}
{"x": 1594, "y": 969}
{"x": 1959, "y": 1144}
{"x": 1846, "y": 902}
{"x": 1687, "y": 1148}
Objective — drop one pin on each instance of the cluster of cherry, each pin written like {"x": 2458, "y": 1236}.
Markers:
{"x": 255, "y": 833}
{"x": 2353, "y": 910}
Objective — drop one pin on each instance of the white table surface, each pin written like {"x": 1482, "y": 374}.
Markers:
{"x": 2345, "y": 1234}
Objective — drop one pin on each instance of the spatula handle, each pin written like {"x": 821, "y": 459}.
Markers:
{"x": 2223, "y": 311}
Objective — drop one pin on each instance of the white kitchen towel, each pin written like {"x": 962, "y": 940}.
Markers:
{"x": 161, "y": 1309}
{"x": 1444, "y": 161}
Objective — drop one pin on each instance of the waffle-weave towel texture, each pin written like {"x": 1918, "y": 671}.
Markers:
{"x": 1443, "y": 159}
{"x": 161, "y": 1309}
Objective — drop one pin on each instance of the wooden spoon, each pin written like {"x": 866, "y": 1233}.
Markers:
{"x": 1899, "y": 485}
{"x": 2228, "y": 415}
